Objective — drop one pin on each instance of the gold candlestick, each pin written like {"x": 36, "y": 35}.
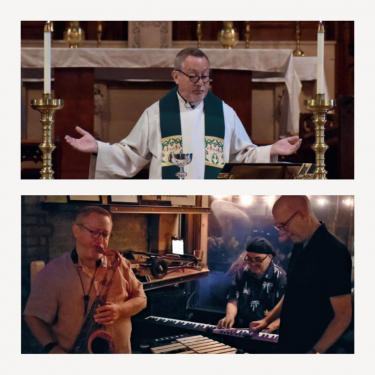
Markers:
{"x": 199, "y": 33}
{"x": 319, "y": 106}
{"x": 298, "y": 51}
{"x": 228, "y": 36}
{"x": 47, "y": 107}
{"x": 247, "y": 34}
{"x": 99, "y": 33}
{"x": 74, "y": 34}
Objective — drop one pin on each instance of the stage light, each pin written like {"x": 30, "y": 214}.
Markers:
{"x": 246, "y": 199}
{"x": 321, "y": 201}
{"x": 271, "y": 199}
{"x": 348, "y": 201}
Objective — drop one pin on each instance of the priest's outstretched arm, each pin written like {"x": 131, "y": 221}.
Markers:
{"x": 242, "y": 150}
{"x": 120, "y": 160}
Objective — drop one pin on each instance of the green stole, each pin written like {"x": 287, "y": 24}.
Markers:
{"x": 171, "y": 134}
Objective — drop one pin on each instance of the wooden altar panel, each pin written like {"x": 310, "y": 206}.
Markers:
{"x": 234, "y": 87}
{"x": 76, "y": 87}
{"x": 345, "y": 120}
{"x": 344, "y": 58}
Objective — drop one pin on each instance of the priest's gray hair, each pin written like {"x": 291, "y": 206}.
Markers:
{"x": 182, "y": 55}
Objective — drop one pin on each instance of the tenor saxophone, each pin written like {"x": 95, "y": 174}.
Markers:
{"x": 91, "y": 339}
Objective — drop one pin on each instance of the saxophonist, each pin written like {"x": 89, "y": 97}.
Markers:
{"x": 64, "y": 289}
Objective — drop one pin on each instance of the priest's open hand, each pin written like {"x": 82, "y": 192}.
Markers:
{"x": 286, "y": 146}
{"x": 85, "y": 144}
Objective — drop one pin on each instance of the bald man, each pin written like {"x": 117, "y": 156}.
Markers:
{"x": 316, "y": 308}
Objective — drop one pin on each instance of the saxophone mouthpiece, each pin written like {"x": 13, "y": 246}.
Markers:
{"x": 102, "y": 250}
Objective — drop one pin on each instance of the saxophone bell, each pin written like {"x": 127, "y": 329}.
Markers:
{"x": 101, "y": 342}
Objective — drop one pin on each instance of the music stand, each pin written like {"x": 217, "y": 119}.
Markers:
{"x": 267, "y": 171}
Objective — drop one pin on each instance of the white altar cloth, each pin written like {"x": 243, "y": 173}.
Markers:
{"x": 270, "y": 65}
{"x": 306, "y": 68}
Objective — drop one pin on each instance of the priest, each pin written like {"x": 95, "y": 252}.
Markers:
{"x": 189, "y": 119}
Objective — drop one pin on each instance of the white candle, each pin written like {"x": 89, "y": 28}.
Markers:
{"x": 320, "y": 72}
{"x": 47, "y": 58}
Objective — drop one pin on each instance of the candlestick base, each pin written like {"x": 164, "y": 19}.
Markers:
{"x": 319, "y": 106}
{"x": 298, "y": 52}
{"x": 47, "y": 107}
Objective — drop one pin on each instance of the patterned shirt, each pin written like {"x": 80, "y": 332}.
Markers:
{"x": 257, "y": 297}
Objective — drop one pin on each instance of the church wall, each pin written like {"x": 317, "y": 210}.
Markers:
{"x": 126, "y": 106}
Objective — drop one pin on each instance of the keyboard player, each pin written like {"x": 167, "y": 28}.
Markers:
{"x": 256, "y": 288}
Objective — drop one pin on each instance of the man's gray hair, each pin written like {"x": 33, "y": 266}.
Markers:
{"x": 86, "y": 211}
{"x": 182, "y": 55}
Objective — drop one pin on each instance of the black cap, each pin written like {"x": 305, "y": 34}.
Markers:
{"x": 260, "y": 245}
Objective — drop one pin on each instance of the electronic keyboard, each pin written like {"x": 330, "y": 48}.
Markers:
{"x": 212, "y": 329}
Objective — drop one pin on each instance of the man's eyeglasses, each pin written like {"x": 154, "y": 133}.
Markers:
{"x": 195, "y": 79}
{"x": 255, "y": 261}
{"x": 96, "y": 234}
{"x": 283, "y": 225}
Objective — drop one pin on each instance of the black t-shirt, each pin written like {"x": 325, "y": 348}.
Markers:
{"x": 317, "y": 272}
